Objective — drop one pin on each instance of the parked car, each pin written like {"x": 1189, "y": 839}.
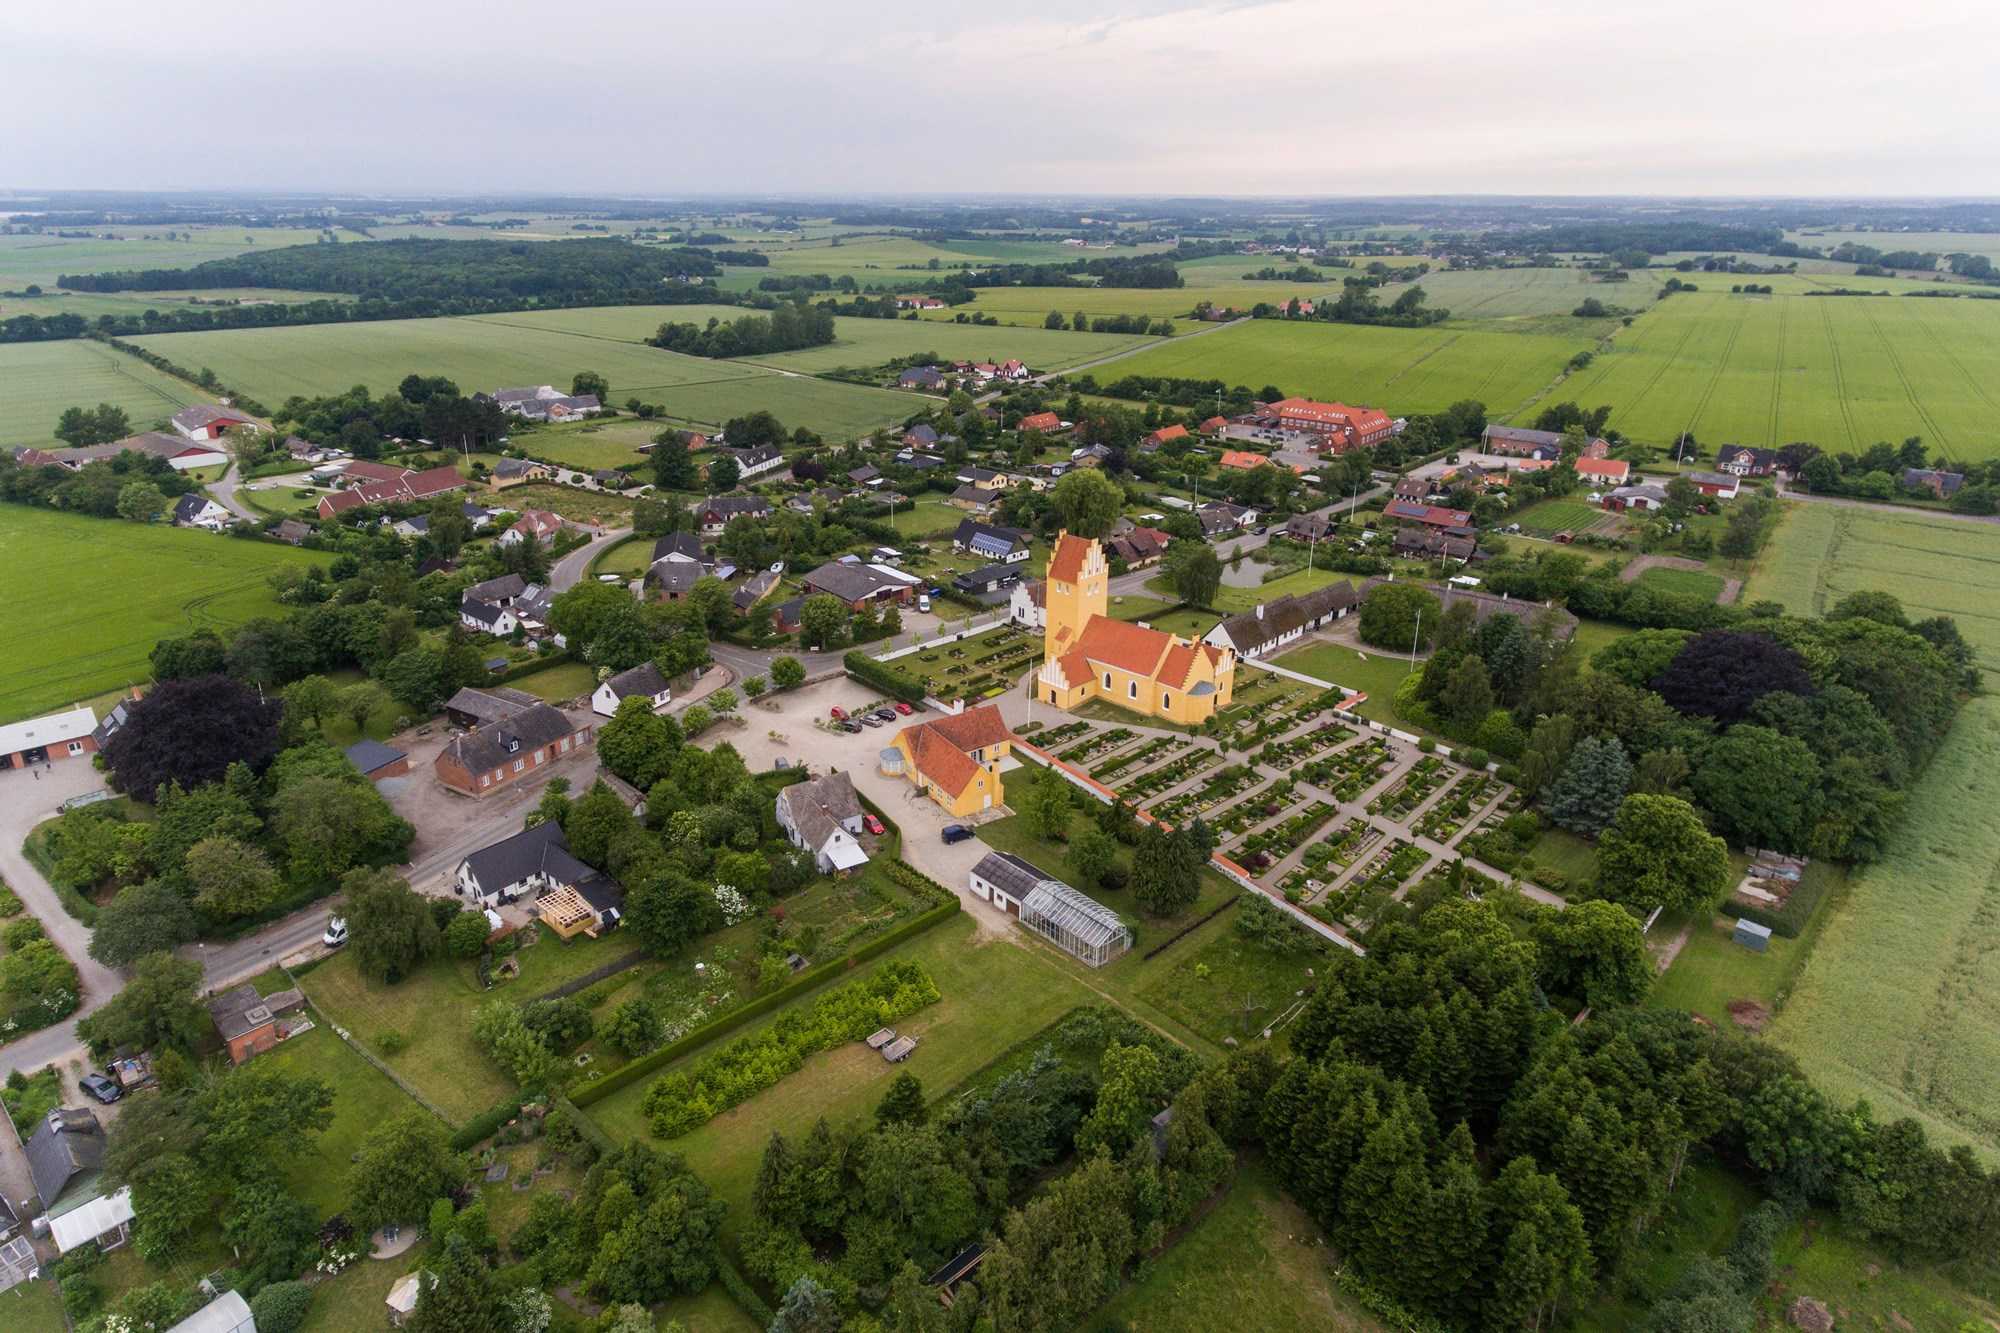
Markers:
{"x": 904, "y": 708}
{"x": 869, "y": 720}
{"x": 1266, "y": 528}
{"x": 777, "y": 566}
{"x": 104, "y": 1089}
{"x": 837, "y": 713}
{"x": 886, "y": 714}
{"x": 873, "y": 825}
{"x": 336, "y": 932}
{"x": 956, "y": 833}
{"x": 923, "y": 601}
{"x": 851, "y": 728}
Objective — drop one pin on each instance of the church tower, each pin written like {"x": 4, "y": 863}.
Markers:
{"x": 1079, "y": 587}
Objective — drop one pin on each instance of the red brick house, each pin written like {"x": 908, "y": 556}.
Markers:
{"x": 403, "y": 484}
{"x": 1431, "y": 516}
{"x": 1345, "y": 427}
{"x": 68, "y": 735}
{"x": 1048, "y": 423}
{"x": 251, "y": 1024}
{"x": 495, "y": 754}
{"x": 1165, "y": 434}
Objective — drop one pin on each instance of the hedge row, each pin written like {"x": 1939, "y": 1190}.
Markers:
{"x": 584, "y": 1125}
{"x": 808, "y": 980}
{"x": 883, "y": 677}
{"x": 1790, "y": 919}
{"x": 487, "y": 1123}
{"x": 741, "y": 1291}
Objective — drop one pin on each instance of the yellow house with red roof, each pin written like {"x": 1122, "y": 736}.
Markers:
{"x": 954, "y": 760}
{"x": 1088, "y": 655}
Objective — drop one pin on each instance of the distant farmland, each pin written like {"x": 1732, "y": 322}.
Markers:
{"x": 89, "y": 597}
{"x": 38, "y": 380}
{"x": 1840, "y": 372}
{"x": 488, "y": 352}
{"x": 1399, "y": 370}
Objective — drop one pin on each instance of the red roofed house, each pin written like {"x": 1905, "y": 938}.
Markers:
{"x": 1214, "y": 425}
{"x": 1243, "y": 459}
{"x": 954, "y": 760}
{"x": 1612, "y": 470}
{"x": 1046, "y": 422}
{"x": 1346, "y": 427}
{"x": 1088, "y": 655}
{"x": 1164, "y": 434}
{"x": 538, "y": 525}
{"x": 1435, "y": 516}
{"x": 384, "y": 485}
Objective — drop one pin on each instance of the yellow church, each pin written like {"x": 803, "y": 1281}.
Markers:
{"x": 1091, "y": 656}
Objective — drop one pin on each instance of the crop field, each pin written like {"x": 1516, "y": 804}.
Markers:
{"x": 1031, "y": 305}
{"x": 1937, "y": 566}
{"x": 1399, "y": 370}
{"x": 1941, "y": 242}
{"x": 1698, "y": 583}
{"x": 89, "y": 597}
{"x": 39, "y": 380}
{"x": 858, "y": 342}
{"x": 39, "y": 259}
{"x": 1553, "y": 516}
{"x": 1840, "y": 372}
{"x": 489, "y": 352}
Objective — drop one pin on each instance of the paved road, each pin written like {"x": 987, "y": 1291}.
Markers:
{"x": 26, "y": 801}
{"x": 1910, "y": 510}
{"x": 568, "y": 571}
{"x": 224, "y": 490}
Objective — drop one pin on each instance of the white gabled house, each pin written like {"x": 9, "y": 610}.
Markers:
{"x": 194, "y": 510}
{"x": 644, "y": 681}
{"x": 823, "y": 816}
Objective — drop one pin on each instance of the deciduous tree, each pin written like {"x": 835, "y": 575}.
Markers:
{"x": 1657, "y": 852}
{"x": 190, "y": 732}
{"x": 1088, "y": 501}
{"x": 390, "y": 926}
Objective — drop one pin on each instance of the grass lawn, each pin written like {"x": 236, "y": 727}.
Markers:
{"x": 1222, "y": 985}
{"x": 631, "y": 556}
{"x": 1147, "y": 609}
{"x": 89, "y": 597}
{"x": 316, "y": 1168}
{"x": 1697, "y": 583}
{"x": 566, "y": 680}
{"x": 1256, "y": 1262}
{"x": 1700, "y": 1217}
{"x": 1594, "y": 634}
{"x": 33, "y": 1307}
{"x": 38, "y": 380}
{"x": 1867, "y": 1288}
{"x": 570, "y": 502}
{"x": 608, "y": 442}
{"x": 1711, "y": 970}
{"x": 355, "y": 1298}
{"x": 1574, "y": 858}
{"x": 1229, "y": 601}
{"x": 1549, "y": 517}
{"x": 1373, "y": 674}
{"x": 994, "y": 994}
{"x": 927, "y": 518}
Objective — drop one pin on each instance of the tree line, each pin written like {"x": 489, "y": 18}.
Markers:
{"x": 786, "y": 329}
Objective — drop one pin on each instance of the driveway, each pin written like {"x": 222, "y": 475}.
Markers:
{"x": 223, "y": 489}
{"x": 568, "y": 571}
{"x": 28, "y": 797}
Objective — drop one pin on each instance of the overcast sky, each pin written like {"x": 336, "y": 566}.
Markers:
{"x": 1038, "y": 96}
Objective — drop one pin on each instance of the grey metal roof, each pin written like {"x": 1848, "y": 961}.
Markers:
{"x": 371, "y": 755}
{"x": 1074, "y": 913}
{"x": 851, "y": 583}
{"x": 507, "y": 585}
{"x": 239, "y": 1011}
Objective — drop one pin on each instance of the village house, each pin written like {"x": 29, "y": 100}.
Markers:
{"x": 180, "y": 452}
{"x": 1272, "y": 626}
{"x": 1742, "y": 460}
{"x": 755, "y": 589}
{"x": 991, "y": 541}
{"x": 919, "y": 303}
{"x": 1219, "y": 517}
{"x": 1644, "y": 497}
{"x": 755, "y": 462}
{"x": 1139, "y": 547}
{"x": 1074, "y": 922}
{"x": 399, "y": 485}
{"x": 972, "y": 500}
{"x": 70, "y": 734}
{"x": 823, "y": 816}
{"x": 1603, "y": 471}
{"x": 926, "y": 378}
{"x": 1411, "y": 488}
{"x": 643, "y": 681}
{"x": 861, "y": 585}
{"x": 1165, "y": 435}
{"x": 1431, "y": 516}
{"x": 539, "y": 526}
{"x": 1214, "y": 425}
{"x": 1048, "y": 423}
{"x": 195, "y": 510}
{"x": 1715, "y": 485}
{"x": 954, "y": 760}
{"x": 983, "y": 478}
{"x": 1027, "y": 606}
{"x": 1939, "y": 484}
{"x": 987, "y": 579}
{"x": 1090, "y": 455}
{"x": 865, "y": 475}
{"x": 66, "y": 1162}
{"x": 250, "y": 1024}
{"x": 1242, "y": 460}
{"x": 291, "y": 532}
{"x": 1435, "y": 543}
{"x": 1518, "y": 440}
{"x": 1342, "y": 427}
{"x": 1309, "y": 527}
{"x": 717, "y": 514}
{"x": 518, "y": 472}
{"x": 204, "y": 421}
{"x": 920, "y": 436}
{"x": 1088, "y": 655}
{"x": 474, "y": 707}
{"x": 545, "y": 403}
{"x": 495, "y": 754}
{"x": 488, "y": 607}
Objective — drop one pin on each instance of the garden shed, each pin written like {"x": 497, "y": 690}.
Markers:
{"x": 1752, "y": 936}
{"x": 1077, "y": 924}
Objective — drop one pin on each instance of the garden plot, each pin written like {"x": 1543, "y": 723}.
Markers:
{"x": 1152, "y": 752}
{"x": 1103, "y": 743}
{"x": 1326, "y": 860}
{"x": 1445, "y": 820}
{"x": 1262, "y": 850}
{"x": 1356, "y": 904}
{"x": 1154, "y": 781}
{"x": 1225, "y": 786}
{"x": 1348, "y": 773}
{"x": 1400, "y": 801}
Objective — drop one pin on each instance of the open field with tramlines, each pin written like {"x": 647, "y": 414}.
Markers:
{"x": 39, "y": 380}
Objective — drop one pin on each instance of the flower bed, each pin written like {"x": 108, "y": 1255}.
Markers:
{"x": 1444, "y": 820}
{"x": 1360, "y": 901}
{"x": 679, "y": 1102}
{"x": 1101, "y": 743}
{"x": 1157, "y": 780}
{"x": 1425, "y": 776}
{"x": 1281, "y": 838}
{"x": 1289, "y": 754}
{"x": 1252, "y": 810}
{"x": 1156, "y": 748}
{"x": 1323, "y": 862}
{"x": 1226, "y": 785}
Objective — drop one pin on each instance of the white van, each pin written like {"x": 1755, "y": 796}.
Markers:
{"x": 923, "y": 601}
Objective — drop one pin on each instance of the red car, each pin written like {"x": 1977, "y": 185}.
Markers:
{"x": 838, "y": 714}
{"x": 904, "y": 708}
{"x": 873, "y": 825}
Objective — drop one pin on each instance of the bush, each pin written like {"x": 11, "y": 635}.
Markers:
{"x": 1427, "y": 745}
{"x": 392, "y": 1042}
{"x": 22, "y": 932}
{"x": 281, "y": 1307}
{"x": 10, "y": 905}
{"x": 466, "y": 936}
{"x": 483, "y": 1126}
{"x": 1474, "y": 758}
{"x": 1509, "y": 774}
{"x": 883, "y": 677}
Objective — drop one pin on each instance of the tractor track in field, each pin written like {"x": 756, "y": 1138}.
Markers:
{"x": 1902, "y": 377}
{"x": 1708, "y": 390}
{"x": 1659, "y": 374}
{"x": 1945, "y": 348}
{"x": 1839, "y": 376}
{"x": 1777, "y": 379}
{"x": 1425, "y": 357}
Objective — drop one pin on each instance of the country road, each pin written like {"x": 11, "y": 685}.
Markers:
{"x": 224, "y": 490}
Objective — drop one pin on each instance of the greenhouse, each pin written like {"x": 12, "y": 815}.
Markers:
{"x": 1076, "y": 924}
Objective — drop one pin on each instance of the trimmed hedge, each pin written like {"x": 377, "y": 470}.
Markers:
{"x": 810, "y": 979}
{"x": 741, "y": 1291}
{"x": 585, "y": 1126}
{"x": 1790, "y": 919}
{"x": 883, "y": 677}
{"x": 487, "y": 1123}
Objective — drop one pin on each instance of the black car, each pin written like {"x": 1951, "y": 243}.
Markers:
{"x": 104, "y": 1089}
{"x": 956, "y": 833}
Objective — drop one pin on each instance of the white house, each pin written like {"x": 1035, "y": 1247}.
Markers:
{"x": 533, "y": 859}
{"x": 198, "y": 511}
{"x": 643, "y": 680}
{"x": 1026, "y": 607}
{"x": 487, "y": 618}
{"x": 1275, "y": 625}
{"x": 824, "y": 816}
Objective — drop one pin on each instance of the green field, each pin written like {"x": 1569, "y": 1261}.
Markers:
{"x": 489, "y": 352}
{"x": 1552, "y": 516}
{"x": 1840, "y": 372}
{"x": 1398, "y": 370}
{"x": 39, "y": 380}
{"x": 1698, "y": 583}
{"x": 1897, "y": 1002}
{"x": 91, "y": 596}
{"x": 38, "y": 259}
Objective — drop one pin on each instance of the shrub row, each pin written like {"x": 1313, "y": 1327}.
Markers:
{"x": 1790, "y": 919}
{"x": 808, "y": 980}
{"x": 686, "y": 1099}
{"x": 587, "y": 1127}
{"x": 742, "y": 1292}
{"x": 884, "y": 677}
{"x": 484, "y": 1125}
